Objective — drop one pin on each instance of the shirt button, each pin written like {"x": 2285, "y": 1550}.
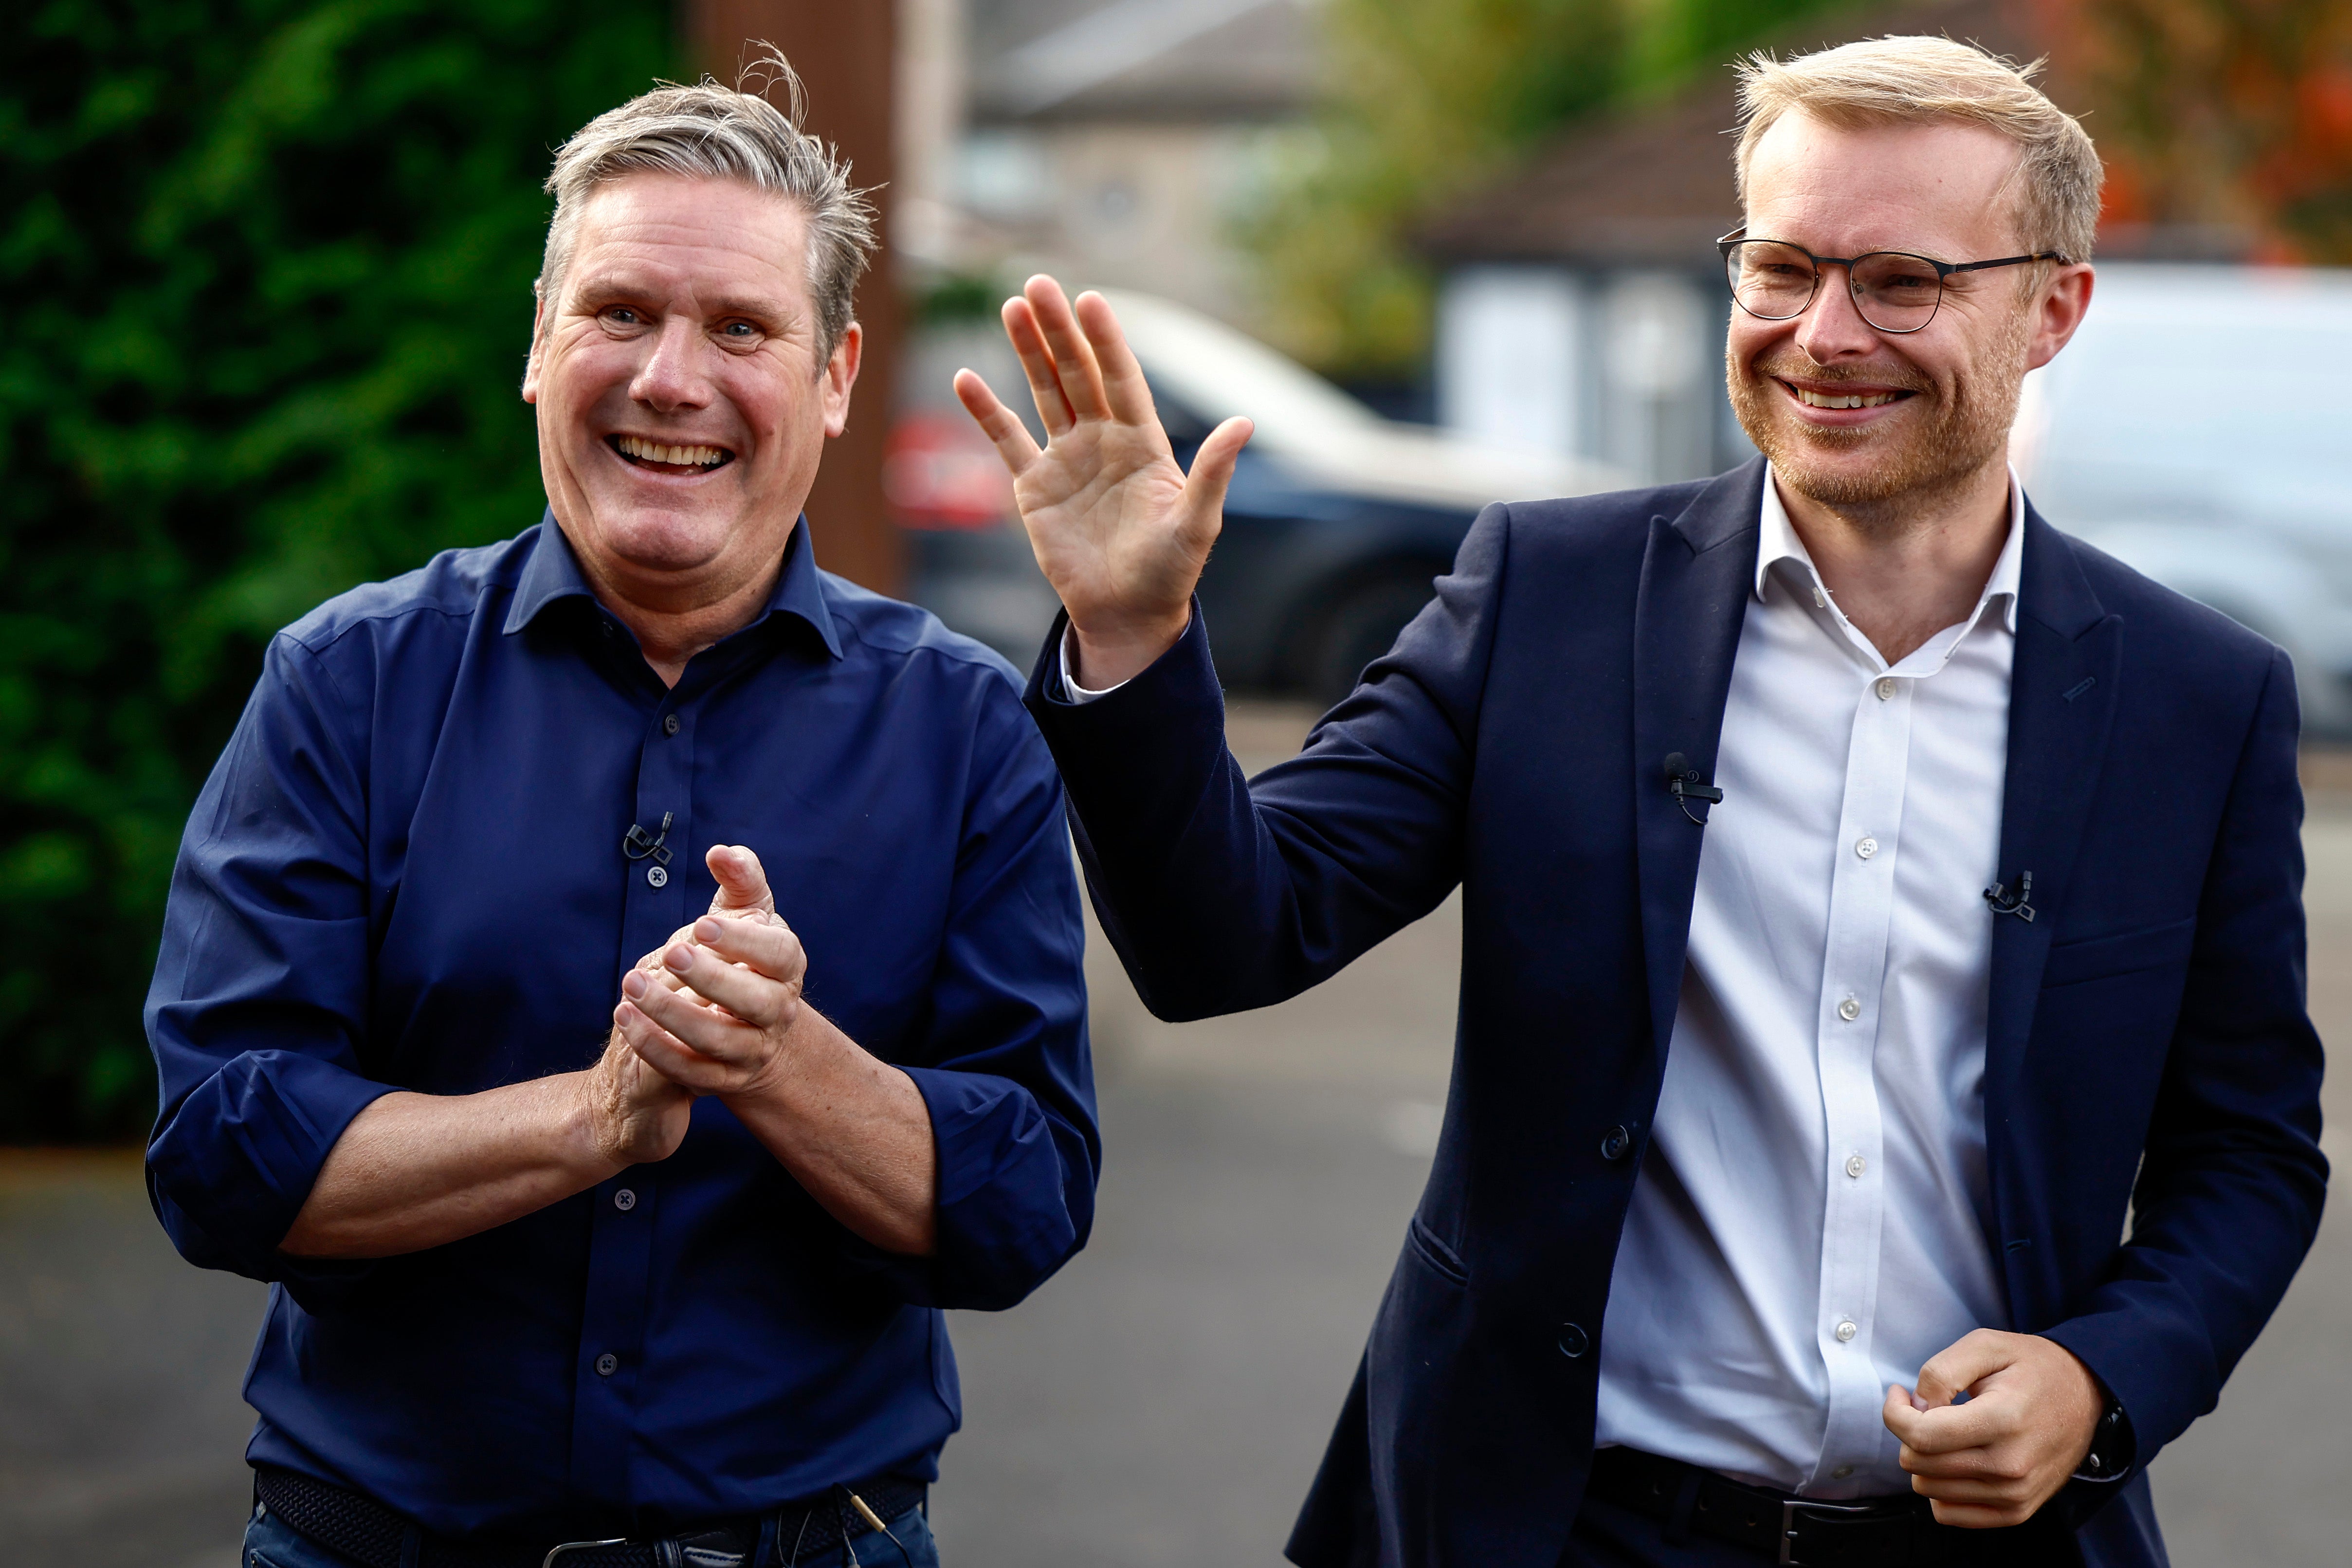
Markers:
{"x": 1849, "y": 1009}
{"x": 669, "y": 724}
{"x": 624, "y": 1200}
{"x": 1617, "y": 1144}
{"x": 1573, "y": 1341}
{"x": 656, "y": 877}
{"x": 607, "y": 1364}
{"x": 1855, "y": 1167}
{"x": 1885, "y": 687}
{"x": 1846, "y": 1331}
{"x": 1841, "y": 1472}
{"x": 1819, "y": 599}
{"x": 1865, "y": 847}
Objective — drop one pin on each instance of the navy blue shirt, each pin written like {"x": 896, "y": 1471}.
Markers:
{"x": 407, "y": 872}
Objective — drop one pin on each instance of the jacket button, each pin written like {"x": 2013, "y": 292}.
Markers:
{"x": 1618, "y": 1143}
{"x": 1573, "y": 1341}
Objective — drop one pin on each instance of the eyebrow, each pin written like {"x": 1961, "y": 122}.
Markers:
{"x": 593, "y": 286}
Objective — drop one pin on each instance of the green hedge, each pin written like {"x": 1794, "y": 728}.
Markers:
{"x": 266, "y": 266}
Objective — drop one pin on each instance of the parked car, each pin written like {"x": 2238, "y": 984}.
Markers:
{"x": 1336, "y": 523}
{"x": 2200, "y": 427}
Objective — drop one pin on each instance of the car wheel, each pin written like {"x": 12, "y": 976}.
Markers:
{"x": 1358, "y": 627}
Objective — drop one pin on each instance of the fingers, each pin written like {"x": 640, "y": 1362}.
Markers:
{"x": 1212, "y": 467}
{"x": 750, "y": 1001}
{"x": 664, "y": 1053}
{"x": 1075, "y": 365}
{"x": 1948, "y": 1428}
{"x": 1004, "y": 431}
{"x": 1967, "y": 1516}
{"x": 1961, "y": 1366}
{"x": 1038, "y": 364}
{"x": 771, "y": 949}
{"x": 742, "y": 882}
{"x": 1127, "y": 393}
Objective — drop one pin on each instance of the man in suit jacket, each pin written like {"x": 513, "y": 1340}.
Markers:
{"x": 1874, "y": 901}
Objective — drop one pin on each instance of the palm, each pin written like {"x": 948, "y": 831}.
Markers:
{"x": 1103, "y": 505}
{"x": 1120, "y": 531}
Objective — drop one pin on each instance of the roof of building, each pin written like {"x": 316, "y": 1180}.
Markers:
{"x": 1141, "y": 59}
{"x": 1652, "y": 186}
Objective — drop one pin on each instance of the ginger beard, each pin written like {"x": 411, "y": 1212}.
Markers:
{"x": 1960, "y": 427}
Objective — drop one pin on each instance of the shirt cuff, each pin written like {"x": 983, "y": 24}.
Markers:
{"x": 1079, "y": 695}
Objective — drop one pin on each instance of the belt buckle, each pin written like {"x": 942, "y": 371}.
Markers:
{"x": 554, "y": 1553}
{"x": 1789, "y": 1509}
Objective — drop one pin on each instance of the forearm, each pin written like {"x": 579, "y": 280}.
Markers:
{"x": 416, "y": 1171}
{"x": 853, "y": 1130}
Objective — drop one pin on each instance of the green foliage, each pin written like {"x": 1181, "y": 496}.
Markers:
{"x": 1428, "y": 98}
{"x": 269, "y": 266}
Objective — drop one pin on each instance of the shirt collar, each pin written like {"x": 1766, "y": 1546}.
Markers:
{"x": 1778, "y": 543}
{"x": 553, "y": 573}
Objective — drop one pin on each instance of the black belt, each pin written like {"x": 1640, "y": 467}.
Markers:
{"x": 374, "y": 1536}
{"x": 1897, "y": 1531}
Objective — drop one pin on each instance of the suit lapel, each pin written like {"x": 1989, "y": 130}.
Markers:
{"x": 2062, "y": 699}
{"x": 1697, "y": 575}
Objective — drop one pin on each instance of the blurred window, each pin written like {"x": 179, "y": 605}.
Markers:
{"x": 2156, "y": 420}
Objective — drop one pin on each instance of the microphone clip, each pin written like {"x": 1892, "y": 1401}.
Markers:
{"x": 2005, "y": 902}
{"x": 636, "y": 844}
{"x": 1683, "y": 784}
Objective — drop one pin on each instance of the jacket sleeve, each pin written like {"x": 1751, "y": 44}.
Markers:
{"x": 259, "y": 997}
{"x": 1003, "y": 1068}
{"x": 1222, "y": 893}
{"x": 2230, "y": 1186}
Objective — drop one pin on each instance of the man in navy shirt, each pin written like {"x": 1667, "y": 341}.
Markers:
{"x": 570, "y": 1244}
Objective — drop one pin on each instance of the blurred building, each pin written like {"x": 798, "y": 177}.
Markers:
{"x": 1583, "y": 302}
{"x": 1111, "y": 141}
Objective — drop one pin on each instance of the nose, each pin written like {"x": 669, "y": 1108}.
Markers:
{"x": 672, "y": 377}
{"x": 1832, "y": 327}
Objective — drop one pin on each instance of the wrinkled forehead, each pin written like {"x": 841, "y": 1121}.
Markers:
{"x": 719, "y": 234}
{"x": 1946, "y": 188}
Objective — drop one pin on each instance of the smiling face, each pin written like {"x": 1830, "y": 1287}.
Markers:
{"x": 1857, "y": 418}
{"x": 682, "y": 402}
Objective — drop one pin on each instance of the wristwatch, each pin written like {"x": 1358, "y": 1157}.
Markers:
{"x": 2112, "y": 1447}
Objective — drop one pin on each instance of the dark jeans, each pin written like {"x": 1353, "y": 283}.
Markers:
{"x": 270, "y": 1545}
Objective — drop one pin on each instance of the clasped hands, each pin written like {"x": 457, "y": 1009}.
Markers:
{"x": 710, "y": 1012}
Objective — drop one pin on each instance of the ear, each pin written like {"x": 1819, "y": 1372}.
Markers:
{"x": 2058, "y": 310}
{"x": 840, "y": 376}
{"x": 538, "y": 340}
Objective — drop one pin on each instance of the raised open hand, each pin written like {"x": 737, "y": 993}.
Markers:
{"x": 1120, "y": 531}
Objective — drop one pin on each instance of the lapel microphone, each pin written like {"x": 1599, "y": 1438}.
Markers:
{"x": 2005, "y": 901}
{"x": 1682, "y": 783}
{"x": 636, "y": 843}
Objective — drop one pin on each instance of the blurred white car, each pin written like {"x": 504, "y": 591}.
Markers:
{"x": 2200, "y": 427}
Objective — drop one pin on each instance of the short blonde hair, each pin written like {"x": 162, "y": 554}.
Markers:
{"x": 715, "y": 132}
{"x": 1919, "y": 81}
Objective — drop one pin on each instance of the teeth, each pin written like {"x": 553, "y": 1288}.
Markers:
{"x": 680, "y": 457}
{"x": 1848, "y": 400}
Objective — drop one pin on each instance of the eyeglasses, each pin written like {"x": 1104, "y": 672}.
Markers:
{"x": 1893, "y": 290}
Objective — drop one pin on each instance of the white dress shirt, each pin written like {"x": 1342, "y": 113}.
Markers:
{"x": 1811, "y": 1221}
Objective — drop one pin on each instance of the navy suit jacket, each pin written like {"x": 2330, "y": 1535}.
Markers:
{"x": 2147, "y": 1049}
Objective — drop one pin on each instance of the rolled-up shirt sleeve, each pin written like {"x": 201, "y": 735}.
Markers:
{"x": 261, "y": 981}
{"x": 1004, "y": 1069}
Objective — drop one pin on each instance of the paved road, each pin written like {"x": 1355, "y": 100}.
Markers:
{"x": 1161, "y": 1402}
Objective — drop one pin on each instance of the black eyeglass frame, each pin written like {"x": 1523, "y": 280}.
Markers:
{"x": 1944, "y": 269}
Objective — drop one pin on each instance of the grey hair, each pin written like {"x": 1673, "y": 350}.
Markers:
{"x": 714, "y": 132}
{"x": 1916, "y": 80}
